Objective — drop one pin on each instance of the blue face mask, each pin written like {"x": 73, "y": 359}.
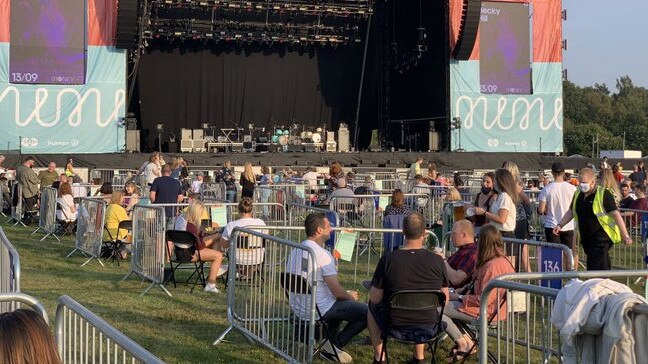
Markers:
{"x": 585, "y": 187}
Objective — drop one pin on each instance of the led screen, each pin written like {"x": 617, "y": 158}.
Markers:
{"x": 505, "y": 52}
{"x": 47, "y": 42}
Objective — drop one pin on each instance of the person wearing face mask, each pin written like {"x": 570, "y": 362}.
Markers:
{"x": 484, "y": 198}
{"x": 600, "y": 224}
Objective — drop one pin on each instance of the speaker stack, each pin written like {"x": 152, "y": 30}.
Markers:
{"x": 468, "y": 30}
{"x": 127, "y": 24}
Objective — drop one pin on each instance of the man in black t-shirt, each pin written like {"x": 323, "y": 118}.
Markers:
{"x": 412, "y": 267}
{"x": 626, "y": 199}
{"x": 599, "y": 222}
{"x": 166, "y": 189}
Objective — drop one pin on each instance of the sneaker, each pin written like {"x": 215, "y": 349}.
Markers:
{"x": 328, "y": 352}
{"x": 222, "y": 270}
{"x": 366, "y": 284}
{"x": 211, "y": 287}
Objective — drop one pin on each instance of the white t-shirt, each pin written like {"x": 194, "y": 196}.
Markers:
{"x": 558, "y": 196}
{"x": 181, "y": 222}
{"x": 324, "y": 266}
{"x": 65, "y": 213}
{"x": 504, "y": 202}
{"x": 311, "y": 177}
{"x": 79, "y": 191}
{"x": 195, "y": 186}
{"x": 150, "y": 172}
{"x": 255, "y": 252}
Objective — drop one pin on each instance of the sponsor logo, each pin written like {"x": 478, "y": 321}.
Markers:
{"x": 29, "y": 142}
{"x": 493, "y": 143}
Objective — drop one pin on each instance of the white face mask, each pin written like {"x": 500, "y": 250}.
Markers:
{"x": 585, "y": 187}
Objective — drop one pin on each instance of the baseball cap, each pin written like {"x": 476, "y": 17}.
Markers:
{"x": 557, "y": 167}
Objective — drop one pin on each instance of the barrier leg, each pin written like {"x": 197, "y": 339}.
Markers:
{"x": 52, "y": 234}
{"x": 72, "y": 252}
{"x": 35, "y": 231}
{"x": 222, "y": 336}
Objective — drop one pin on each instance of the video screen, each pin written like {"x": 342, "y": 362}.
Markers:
{"x": 505, "y": 51}
{"x": 48, "y": 42}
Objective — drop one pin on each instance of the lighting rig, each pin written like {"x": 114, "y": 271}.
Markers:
{"x": 265, "y": 22}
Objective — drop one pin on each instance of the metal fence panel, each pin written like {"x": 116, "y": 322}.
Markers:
{"x": 90, "y": 225}
{"x": 47, "y": 213}
{"x": 84, "y": 337}
{"x": 16, "y": 204}
{"x": 213, "y": 191}
{"x": 257, "y": 304}
{"x": 9, "y": 270}
{"x": 13, "y": 301}
{"x": 149, "y": 246}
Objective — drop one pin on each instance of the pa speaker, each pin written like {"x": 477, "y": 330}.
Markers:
{"x": 468, "y": 30}
{"x": 127, "y": 24}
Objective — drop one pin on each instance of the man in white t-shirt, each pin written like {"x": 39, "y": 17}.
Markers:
{"x": 334, "y": 303}
{"x": 195, "y": 185}
{"x": 555, "y": 200}
{"x": 250, "y": 251}
{"x": 311, "y": 177}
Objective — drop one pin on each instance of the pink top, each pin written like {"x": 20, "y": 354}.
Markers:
{"x": 484, "y": 274}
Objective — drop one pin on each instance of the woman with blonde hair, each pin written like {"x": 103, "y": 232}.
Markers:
{"x": 194, "y": 216}
{"x": 131, "y": 197}
{"x": 26, "y": 338}
{"x": 453, "y": 195}
{"x": 248, "y": 181}
{"x": 606, "y": 176}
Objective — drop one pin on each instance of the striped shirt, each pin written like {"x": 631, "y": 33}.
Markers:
{"x": 464, "y": 259}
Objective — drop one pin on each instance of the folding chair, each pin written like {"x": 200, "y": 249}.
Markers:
{"x": 180, "y": 252}
{"x": 296, "y": 284}
{"x": 250, "y": 259}
{"x": 419, "y": 302}
{"x": 67, "y": 226}
{"x": 114, "y": 246}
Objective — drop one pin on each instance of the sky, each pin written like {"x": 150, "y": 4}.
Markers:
{"x": 605, "y": 40}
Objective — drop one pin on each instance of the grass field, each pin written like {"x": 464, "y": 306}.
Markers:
{"x": 178, "y": 329}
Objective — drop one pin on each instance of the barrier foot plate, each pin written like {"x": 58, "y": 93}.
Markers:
{"x": 222, "y": 336}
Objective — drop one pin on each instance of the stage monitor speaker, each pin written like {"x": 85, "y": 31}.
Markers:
{"x": 433, "y": 140}
{"x": 131, "y": 123}
{"x": 186, "y": 145}
{"x": 310, "y": 148}
{"x": 127, "y": 24}
{"x": 330, "y": 136}
{"x": 343, "y": 140}
{"x": 274, "y": 148}
{"x": 262, "y": 139}
{"x": 294, "y": 148}
{"x": 186, "y": 134}
{"x": 198, "y": 134}
{"x": 199, "y": 146}
{"x": 132, "y": 140}
{"x": 248, "y": 146}
{"x": 468, "y": 30}
{"x": 173, "y": 147}
{"x": 247, "y": 138}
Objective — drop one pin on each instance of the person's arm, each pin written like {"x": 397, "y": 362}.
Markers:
{"x": 542, "y": 207}
{"x": 569, "y": 215}
{"x": 622, "y": 227}
{"x": 376, "y": 295}
{"x": 500, "y": 217}
{"x": 336, "y": 289}
{"x": 455, "y": 276}
{"x": 152, "y": 196}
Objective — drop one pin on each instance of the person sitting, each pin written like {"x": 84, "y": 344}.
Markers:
{"x": 26, "y": 338}
{"x": 412, "y": 267}
{"x": 333, "y": 301}
{"x": 131, "y": 197}
{"x": 397, "y": 205}
{"x": 245, "y": 218}
{"x": 105, "y": 191}
{"x": 115, "y": 213}
{"x": 491, "y": 263}
{"x": 461, "y": 265}
{"x": 68, "y": 210}
{"x": 342, "y": 190}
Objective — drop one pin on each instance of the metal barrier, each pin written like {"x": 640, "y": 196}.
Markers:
{"x": 272, "y": 213}
{"x": 149, "y": 246}
{"x": 213, "y": 191}
{"x": 9, "y": 269}
{"x": 14, "y": 300}
{"x": 47, "y": 213}
{"x": 258, "y": 306}
{"x": 356, "y": 210}
{"x": 527, "y": 329}
{"x": 632, "y": 256}
{"x": 516, "y": 248}
{"x": 282, "y": 194}
{"x": 90, "y": 226}
{"x": 84, "y": 337}
{"x": 17, "y": 204}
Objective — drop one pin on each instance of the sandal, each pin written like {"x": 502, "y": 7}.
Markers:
{"x": 462, "y": 355}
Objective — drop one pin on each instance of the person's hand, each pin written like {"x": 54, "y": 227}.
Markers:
{"x": 353, "y": 294}
{"x": 557, "y": 229}
{"x": 480, "y": 211}
{"x": 627, "y": 240}
{"x": 454, "y": 296}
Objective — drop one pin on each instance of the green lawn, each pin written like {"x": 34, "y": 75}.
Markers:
{"x": 178, "y": 329}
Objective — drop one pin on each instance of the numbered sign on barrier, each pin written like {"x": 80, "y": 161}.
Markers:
{"x": 550, "y": 261}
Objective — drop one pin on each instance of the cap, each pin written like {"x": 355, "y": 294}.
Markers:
{"x": 557, "y": 167}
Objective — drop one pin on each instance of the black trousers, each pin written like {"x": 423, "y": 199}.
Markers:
{"x": 564, "y": 237}
{"x": 598, "y": 254}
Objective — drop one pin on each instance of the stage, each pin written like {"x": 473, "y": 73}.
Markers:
{"x": 446, "y": 161}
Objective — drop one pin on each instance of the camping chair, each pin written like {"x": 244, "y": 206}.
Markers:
{"x": 112, "y": 248}
{"x": 180, "y": 251}
{"x": 67, "y": 226}
{"x": 296, "y": 284}
{"x": 392, "y": 241}
{"x": 421, "y": 302}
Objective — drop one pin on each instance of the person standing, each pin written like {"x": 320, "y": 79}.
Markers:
{"x": 415, "y": 168}
{"x": 166, "y": 190}
{"x": 600, "y": 224}
{"x": 48, "y": 176}
{"x": 226, "y": 175}
{"x": 28, "y": 179}
{"x": 625, "y": 201}
{"x": 248, "y": 181}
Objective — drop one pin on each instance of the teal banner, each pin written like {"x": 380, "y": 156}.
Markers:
{"x": 66, "y": 118}
{"x": 507, "y": 123}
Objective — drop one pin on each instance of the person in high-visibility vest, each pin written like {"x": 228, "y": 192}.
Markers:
{"x": 599, "y": 222}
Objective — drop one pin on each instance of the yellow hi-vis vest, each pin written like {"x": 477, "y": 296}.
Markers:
{"x": 609, "y": 225}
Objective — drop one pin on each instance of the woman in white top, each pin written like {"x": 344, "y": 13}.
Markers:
{"x": 152, "y": 169}
{"x": 502, "y": 212}
{"x": 68, "y": 211}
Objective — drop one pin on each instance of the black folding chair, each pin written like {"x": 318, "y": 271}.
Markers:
{"x": 250, "y": 273}
{"x": 296, "y": 284}
{"x": 67, "y": 226}
{"x": 115, "y": 246}
{"x": 420, "y": 302}
{"x": 180, "y": 252}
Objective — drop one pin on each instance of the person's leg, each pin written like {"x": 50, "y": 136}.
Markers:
{"x": 450, "y": 313}
{"x": 567, "y": 238}
{"x": 375, "y": 331}
{"x": 354, "y": 313}
{"x": 598, "y": 257}
{"x": 216, "y": 258}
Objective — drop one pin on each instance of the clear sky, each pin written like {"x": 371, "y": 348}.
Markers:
{"x": 606, "y": 39}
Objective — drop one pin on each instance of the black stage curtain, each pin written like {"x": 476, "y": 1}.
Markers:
{"x": 183, "y": 85}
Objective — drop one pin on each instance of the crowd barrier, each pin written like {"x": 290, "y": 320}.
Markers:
{"x": 148, "y": 251}
{"x": 90, "y": 227}
{"x": 9, "y": 269}
{"x": 257, "y": 300}
{"x": 271, "y": 213}
{"x": 213, "y": 191}
{"x": 2, "y": 203}
{"x": 13, "y": 301}
{"x": 17, "y": 204}
{"x": 47, "y": 213}
{"x": 632, "y": 256}
{"x": 282, "y": 194}
{"x": 527, "y": 334}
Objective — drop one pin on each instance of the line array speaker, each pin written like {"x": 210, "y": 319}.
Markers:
{"x": 127, "y": 24}
{"x": 468, "y": 30}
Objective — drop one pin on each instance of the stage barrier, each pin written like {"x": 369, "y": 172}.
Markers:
{"x": 527, "y": 334}
{"x": 257, "y": 303}
{"x": 90, "y": 227}
{"x": 9, "y": 270}
{"x": 47, "y": 213}
{"x": 148, "y": 250}
{"x": 17, "y": 204}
